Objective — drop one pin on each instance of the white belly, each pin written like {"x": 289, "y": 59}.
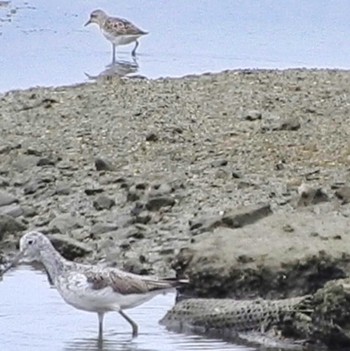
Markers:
{"x": 120, "y": 39}
{"x": 82, "y": 297}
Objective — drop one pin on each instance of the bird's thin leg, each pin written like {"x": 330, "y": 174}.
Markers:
{"x": 113, "y": 50}
{"x": 100, "y": 326}
{"x": 135, "y": 328}
{"x": 133, "y": 53}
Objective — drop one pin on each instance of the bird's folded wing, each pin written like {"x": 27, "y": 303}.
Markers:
{"x": 122, "y": 26}
{"x": 125, "y": 283}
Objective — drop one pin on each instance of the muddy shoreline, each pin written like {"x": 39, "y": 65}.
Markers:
{"x": 131, "y": 171}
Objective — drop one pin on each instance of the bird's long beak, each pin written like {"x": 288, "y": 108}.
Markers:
{"x": 13, "y": 263}
{"x": 87, "y": 23}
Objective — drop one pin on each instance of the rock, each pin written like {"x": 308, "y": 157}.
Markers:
{"x": 93, "y": 191}
{"x": 25, "y": 162}
{"x": 252, "y": 115}
{"x": 101, "y": 228}
{"x": 33, "y": 186}
{"x": 219, "y": 163}
{"x": 144, "y": 217}
{"x": 65, "y": 223}
{"x": 277, "y": 123}
{"x": 10, "y": 225}
{"x": 137, "y": 209}
{"x": 4, "y": 182}
{"x": 103, "y": 202}
{"x": 29, "y": 212}
{"x": 244, "y": 215}
{"x": 343, "y": 193}
{"x": 236, "y": 175}
{"x": 46, "y": 161}
{"x": 103, "y": 165}
{"x": 124, "y": 220}
{"x": 33, "y": 151}
{"x": 62, "y": 189}
{"x": 290, "y": 124}
{"x": 233, "y": 218}
{"x": 160, "y": 190}
{"x": 156, "y": 203}
{"x": 137, "y": 191}
{"x": 7, "y": 199}
{"x": 152, "y": 137}
{"x": 133, "y": 265}
{"x": 12, "y": 210}
{"x": 276, "y": 264}
{"x": 205, "y": 222}
{"x": 69, "y": 247}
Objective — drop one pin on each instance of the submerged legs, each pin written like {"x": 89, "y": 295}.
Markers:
{"x": 133, "y": 53}
{"x": 135, "y": 328}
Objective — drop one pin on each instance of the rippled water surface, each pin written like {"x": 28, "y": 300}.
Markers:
{"x": 33, "y": 317}
{"x": 45, "y": 43}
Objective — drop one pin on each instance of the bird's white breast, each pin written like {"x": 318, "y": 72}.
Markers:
{"x": 120, "y": 39}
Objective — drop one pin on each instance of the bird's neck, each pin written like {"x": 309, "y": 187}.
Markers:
{"x": 53, "y": 262}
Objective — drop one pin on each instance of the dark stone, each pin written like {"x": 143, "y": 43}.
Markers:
{"x": 343, "y": 194}
{"x": 33, "y": 186}
{"x": 103, "y": 202}
{"x": 69, "y": 247}
{"x": 152, "y": 137}
{"x": 93, "y": 191}
{"x": 10, "y": 225}
{"x": 156, "y": 203}
{"x": 276, "y": 123}
{"x": 205, "y": 223}
{"x": 31, "y": 151}
{"x": 244, "y": 215}
{"x": 46, "y": 161}
{"x": 252, "y": 115}
{"x": 4, "y": 182}
{"x": 219, "y": 163}
{"x": 144, "y": 217}
{"x": 103, "y": 165}
{"x": 291, "y": 123}
{"x": 236, "y": 175}
{"x": 136, "y": 191}
{"x": 137, "y": 209}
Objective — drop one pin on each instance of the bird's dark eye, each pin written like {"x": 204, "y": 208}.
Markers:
{"x": 30, "y": 242}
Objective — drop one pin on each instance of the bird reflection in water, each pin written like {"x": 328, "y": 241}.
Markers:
{"x": 118, "y": 68}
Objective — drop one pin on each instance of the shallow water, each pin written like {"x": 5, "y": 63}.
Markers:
{"x": 33, "y": 317}
{"x": 45, "y": 42}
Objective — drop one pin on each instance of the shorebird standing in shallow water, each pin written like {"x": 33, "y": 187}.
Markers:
{"x": 89, "y": 287}
{"x": 118, "y": 31}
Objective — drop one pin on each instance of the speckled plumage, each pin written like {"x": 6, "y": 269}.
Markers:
{"x": 118, "y": 31}
{"x": 91, "y": 288}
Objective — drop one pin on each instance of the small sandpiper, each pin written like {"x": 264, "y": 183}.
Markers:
{"x": 118, "y": 31}
{"x": 91, "y": 288}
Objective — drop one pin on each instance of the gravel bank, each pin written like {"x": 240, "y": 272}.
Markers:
{"x": 131, "y": 171}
